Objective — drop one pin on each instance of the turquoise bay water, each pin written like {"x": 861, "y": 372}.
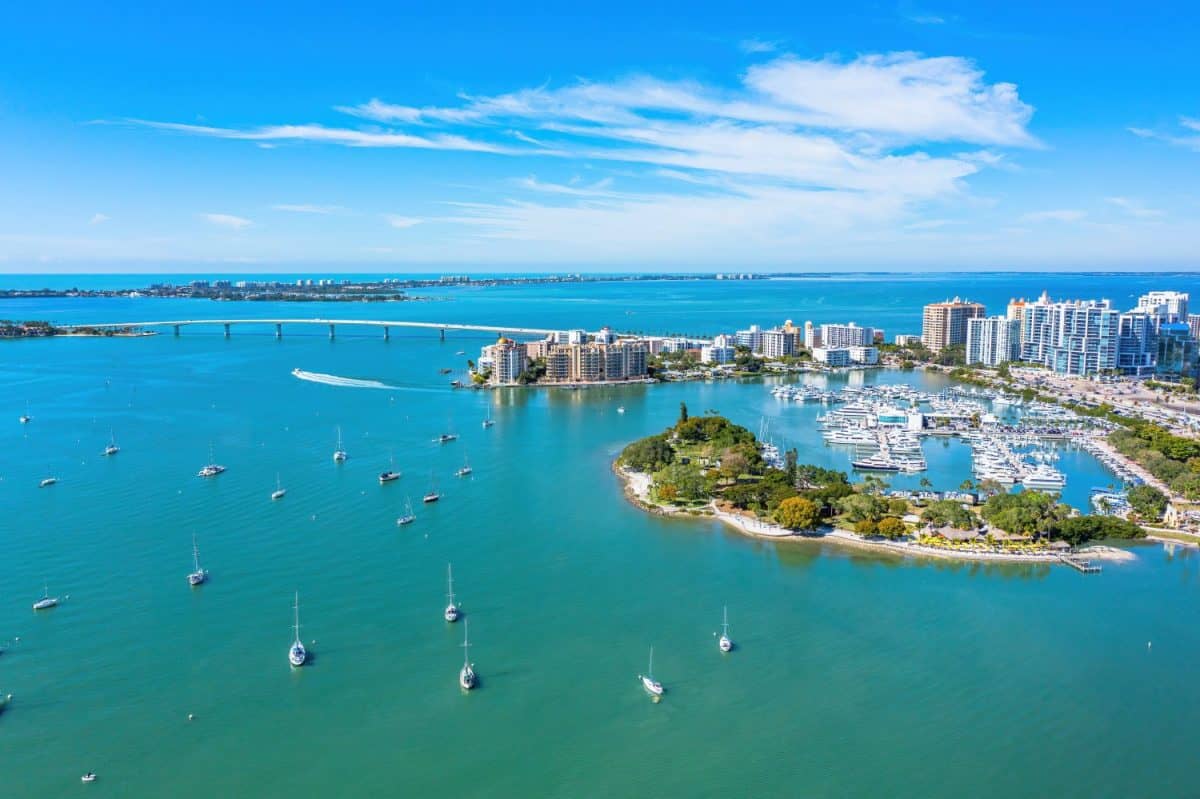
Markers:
{"x": 856, "y": 674}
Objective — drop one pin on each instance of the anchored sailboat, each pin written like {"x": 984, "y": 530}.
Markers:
{"x": 112, "y": 448}
{"x": 725, "y": 643}
{"x": 213, "y": 468}
{"x": 339, "y": 454}
{"x": 198, "y": 574}
{"x": 466, "y": 676}
{"x": 297, "y": 654}
{"x": 279, "y": 491}
{"x": 466, "y": 468}
{"x": 451, "y": 612}
{"x": 432, "y": 495}
{"x": 648, "y": 682}
{"x": 391, "y": 474}
{"x": 408, "y": 517}
{"x": 46, "y": 601}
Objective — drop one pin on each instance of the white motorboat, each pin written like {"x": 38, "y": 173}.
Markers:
{"x": 46, "y": 601}
{"x": 47, "y": 481}
{"x": 450, "y": 614}
{"x": 408, "y": 517}
{"x": 89, "y": 777}
{"x": 653, "y": 686}
{"x": 279, "y": 491}
{"x": 339, "y": 454}
{"x": 26, "y": 418}
{"x": 297, "y": 654}
{"x": 620, "y": 409}
{"x": 466, "y": 675}
{"x": 725, "y": 643}
{"x": 198, "y": 575}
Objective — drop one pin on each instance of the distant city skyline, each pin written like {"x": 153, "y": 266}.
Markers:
{"x": 882, "y": 137}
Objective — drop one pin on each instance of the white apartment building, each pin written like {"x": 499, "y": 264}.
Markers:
{"x": 850, "y": 335}
{"x": 831, "y": 356}
{"x": 992, "y": 340}
{"x": 1078, "y": 337}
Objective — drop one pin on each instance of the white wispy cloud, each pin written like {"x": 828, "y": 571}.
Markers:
{"x": 1189, "y": 137}
{"x": 348, "y": 137}
{"x": 227, "y": 220}
{"x": 1056, "y": 215}
{"x": 792, "y": 152}
{"x": 305, "y": 208}
{"x": 757, "y": 46}
{"x": 98, "y": 219}
{"x": 1135, "y": 208}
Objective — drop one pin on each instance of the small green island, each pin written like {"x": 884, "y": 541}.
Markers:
{"x": 708, "y": 467}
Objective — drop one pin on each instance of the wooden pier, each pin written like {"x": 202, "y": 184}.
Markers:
{"x": 1078, "y": 563}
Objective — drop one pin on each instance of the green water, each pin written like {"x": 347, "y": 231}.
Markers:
{"x": 855, "y": 674}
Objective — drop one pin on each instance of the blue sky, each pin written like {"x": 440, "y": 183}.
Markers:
{"x": 625, "y": 136}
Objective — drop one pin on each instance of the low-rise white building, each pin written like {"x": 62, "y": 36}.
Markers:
{"x": 831, "y": 356}
{"x": 868, "y": 356}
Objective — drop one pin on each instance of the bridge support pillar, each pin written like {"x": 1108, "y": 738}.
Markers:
{"x": 278, "y": 331}
{"x": 227, "y": 330}
{"x": 331, "y": 332}
{"x": 176, "y": 329}
{"x": 387, "y": 334}
{"x": 442, "y": 334}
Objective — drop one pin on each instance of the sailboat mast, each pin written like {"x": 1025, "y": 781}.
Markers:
{"x": 450, "y": 583}
{"x": 297, "y": 621}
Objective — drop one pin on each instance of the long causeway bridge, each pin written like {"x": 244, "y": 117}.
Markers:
{"x": 386, "y": 324}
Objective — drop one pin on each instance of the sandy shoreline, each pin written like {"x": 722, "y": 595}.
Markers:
{"x": 636, "y": 487}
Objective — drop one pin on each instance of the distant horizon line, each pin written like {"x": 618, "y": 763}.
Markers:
{"x": 632, "y": 273}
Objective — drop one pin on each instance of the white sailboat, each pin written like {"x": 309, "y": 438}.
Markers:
{"x": 466, "y": 468}
{"x": 279, "y": 491}
{"x": 487, "y": 420}
{"x": 297, "y": 654}
{"x": 213, "y": 468}
{"x": 391, "y": 474}
{"x": 339, "y": 454}
{"x": 466, "y": 676}
{"x": 198, "y": 575}
{"x": 725, "y": 643}
{"x": 648, "y": 682}
{"x": 25, "y": 417}
{"x": 112, "y": 448}
{"x": 408, "y": 517}
{"x": 46, "y": 601}
{"x": 432, "y": 495}
{"x": 451, "y": 612}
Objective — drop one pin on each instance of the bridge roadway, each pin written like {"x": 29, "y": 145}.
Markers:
{"x": 386, "y": 324}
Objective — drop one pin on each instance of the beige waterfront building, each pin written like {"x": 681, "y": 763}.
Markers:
{"x": 945, "y": 323}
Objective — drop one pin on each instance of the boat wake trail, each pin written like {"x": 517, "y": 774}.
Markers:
{"x": 334, "y": 380}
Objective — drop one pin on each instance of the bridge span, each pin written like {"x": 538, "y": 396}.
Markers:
{"x": 386, "y": 324}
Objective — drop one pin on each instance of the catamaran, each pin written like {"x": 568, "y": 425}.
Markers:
{"x": 46, "y": 601}
{"x": 339, "y": 454}
{"x": 408, "y": 517}
{"x": 112, "y": 448}
{"x": 648, "y": 682}
{"x": 466, "y": 468}
{"x": 466, "y": 677}
{"x": 297, "y": 654}
{"x": 725, "y": 643}
{"x": 213, "y": 468}
{"x": 451, "y": 612}
{"x": 279, "y": 491}
{"x": 197, "y": 575}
